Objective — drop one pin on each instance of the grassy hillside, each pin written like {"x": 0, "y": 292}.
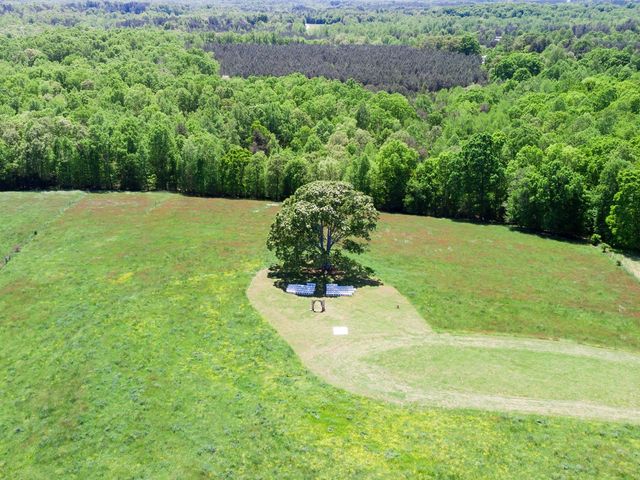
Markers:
{"x": 129, "y": 350}
{"x": 487, "y": 278}
{"x": 23, "y": 213}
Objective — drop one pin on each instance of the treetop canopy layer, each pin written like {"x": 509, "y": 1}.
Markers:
{"x": 320, "y": 217}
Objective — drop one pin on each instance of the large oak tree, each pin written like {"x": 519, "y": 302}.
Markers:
{"x": 318, "y": 221}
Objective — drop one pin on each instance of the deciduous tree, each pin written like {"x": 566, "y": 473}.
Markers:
{"x": 624, "y": 220}
{"x": 395, "y": 163}
{"x": 319, "y": 220}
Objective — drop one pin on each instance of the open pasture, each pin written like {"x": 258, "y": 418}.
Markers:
{"x": 23, "y": 213}
{"x": 130, "y": 350}
{"x": 488, "y": 279}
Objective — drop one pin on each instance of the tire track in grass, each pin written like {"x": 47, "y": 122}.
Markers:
{"x": 629, "y": 261}
{"x": 18, "y": 248}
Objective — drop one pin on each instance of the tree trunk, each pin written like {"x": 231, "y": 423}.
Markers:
{"x": 326, "y": 267}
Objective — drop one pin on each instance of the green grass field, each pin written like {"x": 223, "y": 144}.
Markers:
{"x": 130, "y": 350}
{"x": 485, "y": 278}
{"x": 23, "y": 213}
{"x": 544, "y": 375}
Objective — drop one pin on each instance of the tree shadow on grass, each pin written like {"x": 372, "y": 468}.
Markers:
{"x": 565, "y": 238}
{"x": 572, "y": 239}
{"x": 345, "y": 271}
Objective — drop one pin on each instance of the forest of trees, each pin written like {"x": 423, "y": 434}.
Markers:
{"x": 534, "y": 25}
{"x": 395, "y": 68}
{"x": 549, "y": 142}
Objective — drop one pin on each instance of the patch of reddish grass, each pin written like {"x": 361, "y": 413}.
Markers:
{"x": 15, "y": 287}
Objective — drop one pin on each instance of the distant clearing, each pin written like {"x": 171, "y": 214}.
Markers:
{"x": 391, "y": 353}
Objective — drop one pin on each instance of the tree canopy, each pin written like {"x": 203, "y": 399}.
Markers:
{"x": 625, "y": 212}
{"x": 317, "y": 221}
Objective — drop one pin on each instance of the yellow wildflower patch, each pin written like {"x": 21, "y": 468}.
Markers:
{"x": 125, "y": 277}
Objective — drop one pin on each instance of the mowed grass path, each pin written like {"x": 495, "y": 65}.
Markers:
{"x": 516, "y": 373}
{"x": 487, "y": 278}
{"x": 130, "y": 350}
{"x": 391, "y": 353}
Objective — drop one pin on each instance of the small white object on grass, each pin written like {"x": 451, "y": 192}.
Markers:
{"x": 341, "y": 330}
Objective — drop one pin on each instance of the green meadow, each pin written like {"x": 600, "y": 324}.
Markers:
{"x": 515, "y": 373}
{"x": 23, "y": 213}
{"x": 490, "y": 279}
{"x": 130, "y": 349}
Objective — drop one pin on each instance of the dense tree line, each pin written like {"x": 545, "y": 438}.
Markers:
{"x": 532, "y": 26}
{"x": 136, "y": 110}
{"x": 550, "y": 143}
{"x": 383, "y": 67}
{"x": 555, "y": 138}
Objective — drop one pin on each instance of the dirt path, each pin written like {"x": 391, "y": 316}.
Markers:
{"x": 381, "y": 319}
{"x": 631, "y": 263}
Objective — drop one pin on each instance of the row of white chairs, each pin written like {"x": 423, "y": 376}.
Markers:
{"x": 301, "y": 289}
{"x": 335, "y": 290}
